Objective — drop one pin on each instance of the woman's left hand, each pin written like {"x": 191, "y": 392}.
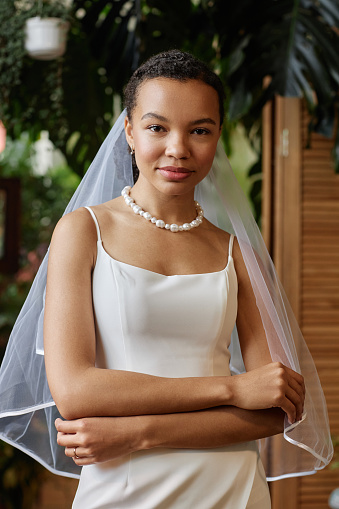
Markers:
{"x": 99, "y": 439}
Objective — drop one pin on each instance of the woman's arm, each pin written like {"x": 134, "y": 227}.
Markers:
{"x": 99, "y": 439}
{"x": 82, "y": 390}
{"x": 78, "y": 387}
{"x": 256, "y": 354}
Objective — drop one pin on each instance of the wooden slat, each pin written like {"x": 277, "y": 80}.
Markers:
{"x": 267, "y": 157}
{"x": 319, "y": 314}
{"x": 285, "y": 236}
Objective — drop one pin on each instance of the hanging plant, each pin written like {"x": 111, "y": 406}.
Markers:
{"x": 45, "y": 37}
{"x": 39, "y": 103}
{"x": 46, "y": 28}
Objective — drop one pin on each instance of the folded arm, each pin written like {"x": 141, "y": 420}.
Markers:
{"x": 80, "y": 389}
{"x": 100, "y": 439}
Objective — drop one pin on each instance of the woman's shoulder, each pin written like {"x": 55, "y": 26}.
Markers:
{"x": 74, "y": 237}
{"x": 77, "y": 229}
{"x": 220, "y": 240}
{"x": 78, "y": 221}
{"x": 222, "y": 236}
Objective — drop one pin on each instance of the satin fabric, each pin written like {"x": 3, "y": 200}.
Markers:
{"x": 187, "y": 337}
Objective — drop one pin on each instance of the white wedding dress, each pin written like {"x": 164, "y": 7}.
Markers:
{"x": 169, "y": 326}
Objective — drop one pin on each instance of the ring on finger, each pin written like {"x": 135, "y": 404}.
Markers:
{"x": 75, "y": 453}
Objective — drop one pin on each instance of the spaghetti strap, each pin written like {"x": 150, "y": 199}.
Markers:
{"x": 230, "y": 246}
{"x": 95, "y": 221}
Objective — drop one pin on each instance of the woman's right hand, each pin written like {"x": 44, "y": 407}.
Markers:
{"x": 271, "y": 385}
{"x": 100, "y": 439}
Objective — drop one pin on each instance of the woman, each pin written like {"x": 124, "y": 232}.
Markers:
{"x": 142, "y": 297}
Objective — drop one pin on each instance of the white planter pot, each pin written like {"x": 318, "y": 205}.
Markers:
{"x": 46, "y": 37}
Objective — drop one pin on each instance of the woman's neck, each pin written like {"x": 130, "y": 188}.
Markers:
{"x": 178, "y": 208}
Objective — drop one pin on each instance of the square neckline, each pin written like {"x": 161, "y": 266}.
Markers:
{"x": 100, "y": 243}
{"x": 229, "y": 260}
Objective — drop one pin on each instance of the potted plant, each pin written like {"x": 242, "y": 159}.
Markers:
{"x": 46, "y": 29}
{"x": 31, "y": 91}
{"x": 46, "y": 37}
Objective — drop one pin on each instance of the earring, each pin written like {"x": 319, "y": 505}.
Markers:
{"x": 131, "y": 151}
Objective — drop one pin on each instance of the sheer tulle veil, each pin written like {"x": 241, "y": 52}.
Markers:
{"x": 27, "y": 410}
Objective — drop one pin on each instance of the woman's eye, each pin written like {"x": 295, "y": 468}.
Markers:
{"x": 155, "y": 128}
{"x": 201, "y": 130}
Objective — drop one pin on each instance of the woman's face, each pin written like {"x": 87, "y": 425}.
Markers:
{"x": 174, "y": 130}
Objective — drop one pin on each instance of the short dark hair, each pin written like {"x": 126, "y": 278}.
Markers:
{"x": 177, "y": 65}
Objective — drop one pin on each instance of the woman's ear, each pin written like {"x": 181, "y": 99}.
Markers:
{"x": 129, "y": 132}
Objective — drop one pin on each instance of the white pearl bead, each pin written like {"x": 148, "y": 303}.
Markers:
{"x": 136, "y": 209}
{"x": 159, "y": 222}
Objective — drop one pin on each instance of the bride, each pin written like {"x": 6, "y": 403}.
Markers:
{"x": 143, "y": 294}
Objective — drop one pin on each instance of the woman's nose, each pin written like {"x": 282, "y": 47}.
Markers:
{"x": 177, "y": 146}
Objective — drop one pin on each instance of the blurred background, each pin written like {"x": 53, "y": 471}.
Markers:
{"x": 61, "y": 86}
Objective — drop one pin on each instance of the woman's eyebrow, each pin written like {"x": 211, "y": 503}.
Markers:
{"x": 206, "y": 120}
{"x": 154, "y": 115}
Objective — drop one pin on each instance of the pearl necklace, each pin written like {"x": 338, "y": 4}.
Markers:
{"x": 159, "y": 222}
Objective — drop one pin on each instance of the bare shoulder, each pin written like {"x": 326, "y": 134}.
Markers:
{"x": 79, "y": 219}
{"x": 239, "y": 263}
{"x": 75, "y": 235}
{"x": 221, "y": 236}
{"x": 74, "y": 226}
{"x": 111, "y": 211}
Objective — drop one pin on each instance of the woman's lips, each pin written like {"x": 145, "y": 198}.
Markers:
{"x": 175, "y": 173}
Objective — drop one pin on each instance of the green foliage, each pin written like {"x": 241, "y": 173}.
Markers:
{"x": 43, "y": 200}
{"x": 335, "y": 461}
{"x": 43, "y": 8}
{"x": 255, "y": 174}
{"x": 11, "y": 52}
{"x": 88, "y": 102}
{"x": 292, "y": 42}
{"x": 12, "y": 297}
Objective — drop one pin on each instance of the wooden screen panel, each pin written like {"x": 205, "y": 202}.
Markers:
{"x": 281, "y": 221}
{"x": 319, "y": 291}
{"x": 301, "y": 230}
